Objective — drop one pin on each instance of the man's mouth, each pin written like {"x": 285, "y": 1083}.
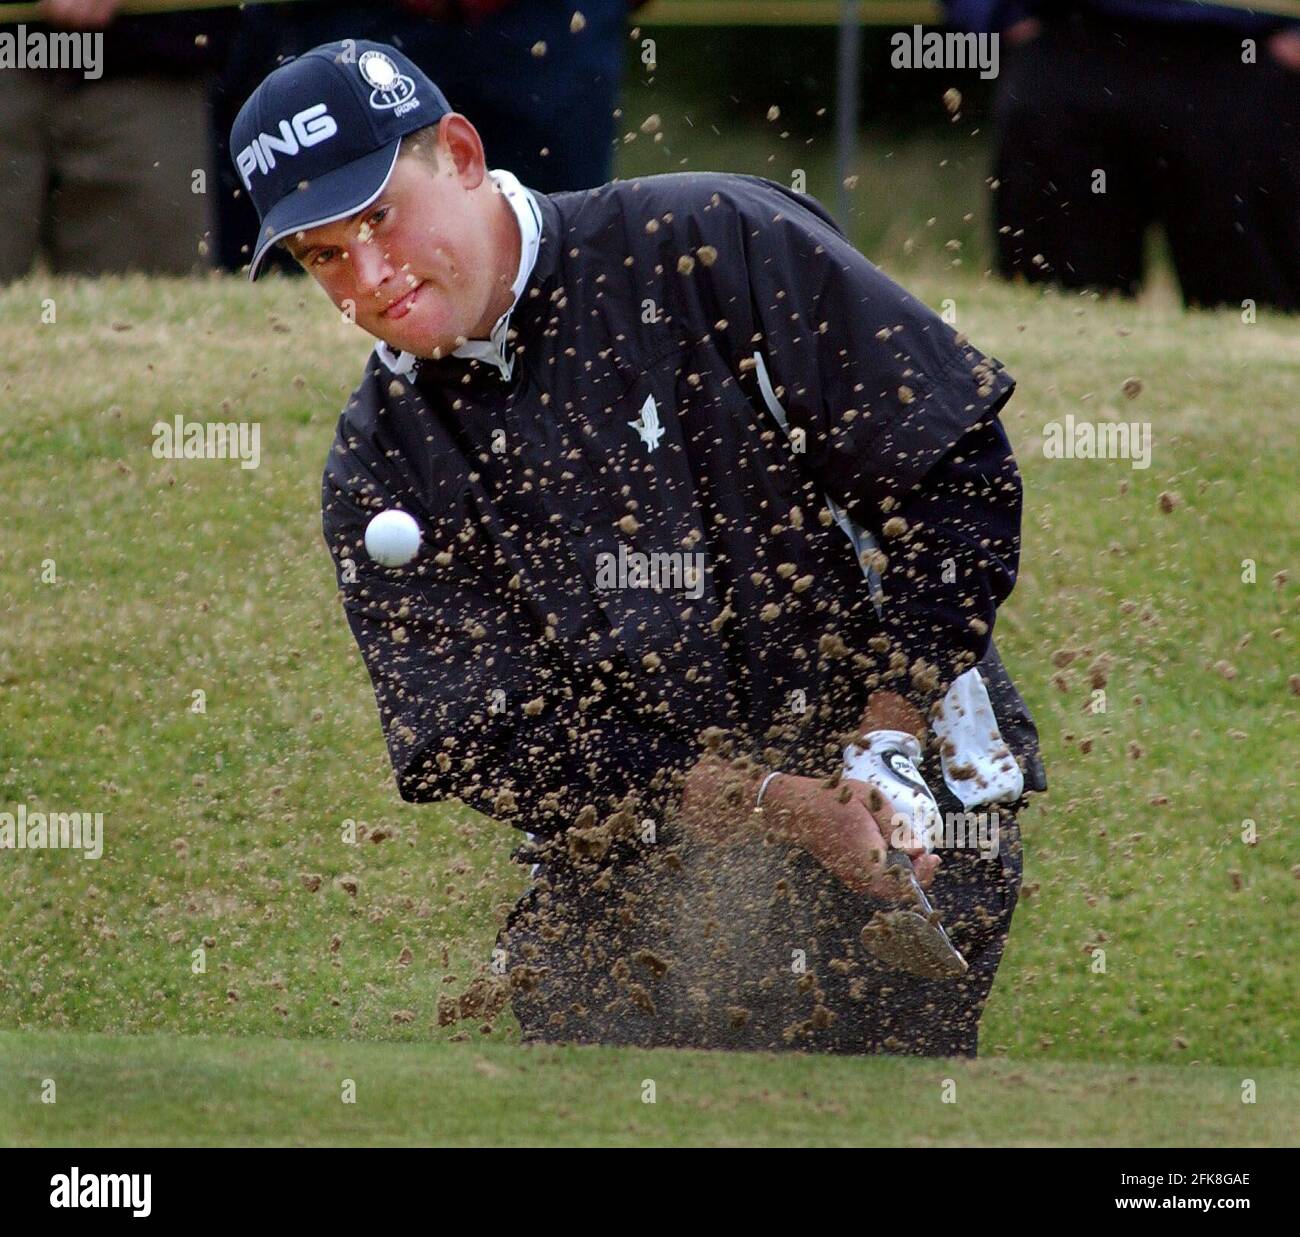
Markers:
{"x": 399, "y": 309}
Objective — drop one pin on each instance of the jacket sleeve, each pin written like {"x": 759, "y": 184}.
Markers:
{"x": 461, "y": 694}
{"x": 897, "y": 422}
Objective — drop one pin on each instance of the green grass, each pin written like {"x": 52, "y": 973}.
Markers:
{"x": 156, "y": 1091}
{"x": 182, "y": 576}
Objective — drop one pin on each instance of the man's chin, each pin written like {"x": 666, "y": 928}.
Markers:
{"x": 414, "y": 342}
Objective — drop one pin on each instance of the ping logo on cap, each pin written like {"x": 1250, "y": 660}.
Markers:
{"x": 309, "y": 127}
{"x": 390, "y": 87}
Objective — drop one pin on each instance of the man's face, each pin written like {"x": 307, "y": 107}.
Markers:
{"x": 418, "y": 264}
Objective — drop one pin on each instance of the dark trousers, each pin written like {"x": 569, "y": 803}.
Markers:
{"x": 751, "y": 946}
{"x": 1184, "y": 133}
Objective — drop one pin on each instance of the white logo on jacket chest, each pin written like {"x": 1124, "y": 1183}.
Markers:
{"x": 647, "y": 424}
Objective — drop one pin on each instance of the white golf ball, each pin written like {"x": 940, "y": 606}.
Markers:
{"x": 392, "y": 538}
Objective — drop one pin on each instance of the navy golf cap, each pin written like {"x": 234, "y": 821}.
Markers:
{"x": 318, "y": 139}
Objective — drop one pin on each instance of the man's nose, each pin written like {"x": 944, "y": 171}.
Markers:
{"x": 371, "y": 265}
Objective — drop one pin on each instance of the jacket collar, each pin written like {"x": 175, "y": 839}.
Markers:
{"x": 538, "y": 221}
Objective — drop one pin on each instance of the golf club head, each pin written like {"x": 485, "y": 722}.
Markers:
{"x": 912, "y": 938}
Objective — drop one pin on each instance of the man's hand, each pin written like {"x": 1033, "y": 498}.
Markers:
{"x": 834, "y": 824}
{"x": 839, "y": 828}
{"x": 79, "y": 14}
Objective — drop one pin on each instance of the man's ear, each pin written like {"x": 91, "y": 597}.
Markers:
{"x": 461, "y": 148}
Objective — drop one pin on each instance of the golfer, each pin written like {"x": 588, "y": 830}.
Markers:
{"x": 713, "y": 516}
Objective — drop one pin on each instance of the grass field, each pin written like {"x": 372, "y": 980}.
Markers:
{"x": 168, "y": 1091}
{"x": 130, "y": 583}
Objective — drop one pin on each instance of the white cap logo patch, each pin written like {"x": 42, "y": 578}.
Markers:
{"x": 391, "y": 88}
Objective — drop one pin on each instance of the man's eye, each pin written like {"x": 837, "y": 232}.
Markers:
{"x": 321, "y": 256}
{"x": 379, "y": 215}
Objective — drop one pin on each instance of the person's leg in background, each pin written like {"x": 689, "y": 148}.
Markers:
{"x": 26, "y": 101}
{"x": 1276, "y": 178}
{"x": 252, "y": 55}
{"x": 125, "y": 154}
{"x": 266, "y": 34}
{"x": 1228, "y": 176}
{"x": 541, "y": 92}
{"x": 1060, "y": 121}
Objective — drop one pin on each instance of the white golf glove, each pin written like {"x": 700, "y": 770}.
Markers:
{"x": 888, "y": 760}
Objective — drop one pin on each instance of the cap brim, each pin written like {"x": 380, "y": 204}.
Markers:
{"x": 327, "y": 199}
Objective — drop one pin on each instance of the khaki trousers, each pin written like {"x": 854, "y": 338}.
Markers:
{"x": 99, "y": 176}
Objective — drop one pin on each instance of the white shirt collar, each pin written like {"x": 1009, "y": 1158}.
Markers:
{"x": 492, "y": 349}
